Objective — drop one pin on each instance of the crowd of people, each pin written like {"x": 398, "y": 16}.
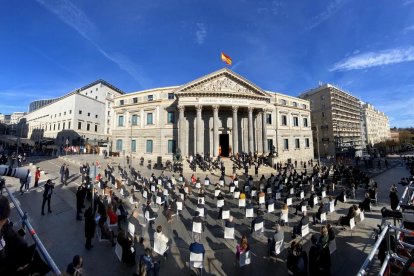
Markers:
{"x": 111, "y": 202}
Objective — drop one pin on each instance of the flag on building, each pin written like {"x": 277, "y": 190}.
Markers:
{"x": 225, "y": 58}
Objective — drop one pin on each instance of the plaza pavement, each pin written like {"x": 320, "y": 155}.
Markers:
{"x": 63, "y": 236}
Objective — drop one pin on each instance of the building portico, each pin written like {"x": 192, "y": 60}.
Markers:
{"x": 221, "y": 113}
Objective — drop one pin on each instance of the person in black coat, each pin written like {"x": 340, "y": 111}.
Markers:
{"x": 47, "y": 195}
{"x": 394, "y": 198}
{"x": 315, "y": 257}
{"x": 80, "y": 198}
{"x": 90, "y": 226}
{"x": 297, "y": 260}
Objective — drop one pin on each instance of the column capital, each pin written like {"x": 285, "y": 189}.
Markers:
{"x": 234, "y": 108}
{"x": 250, "y": 109}
{"x": 199, "y": 107}
{"x": 264, "y": 110}
{"x": 215, "y": 107}
{"x": 181, "y": 107}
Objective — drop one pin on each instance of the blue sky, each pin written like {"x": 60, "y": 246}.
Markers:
{"x": 51, "y": 47}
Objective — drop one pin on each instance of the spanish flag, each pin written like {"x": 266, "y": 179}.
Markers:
{"x": 225, "y": 58}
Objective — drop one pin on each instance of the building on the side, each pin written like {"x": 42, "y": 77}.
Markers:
{"x": 79, "y": 117}
{"x": 16, "y": 116}
{"x": 40, "y": 103}
{"x": 5, "y": 119}
{"x": 11, "y": 119}
{"x": 336, "y": 120}
{"x": 395, "y": 135}
{"x": 221, "y": 113}
{"x": 376, "y": 125}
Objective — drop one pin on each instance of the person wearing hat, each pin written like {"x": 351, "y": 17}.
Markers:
{"x": 47, "y": 195}
{"x": 37, "y": 177}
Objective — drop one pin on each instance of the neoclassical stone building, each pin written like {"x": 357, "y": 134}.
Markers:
{"x": 218, "y": 114}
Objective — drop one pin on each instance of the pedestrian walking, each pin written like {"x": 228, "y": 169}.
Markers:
{"x": 47, "y": 195}
{"x": 66, "y": 177}
{"x": 37, "y": 177}
{"x": 28, "y": 180}
{"x": 62, "y": 172}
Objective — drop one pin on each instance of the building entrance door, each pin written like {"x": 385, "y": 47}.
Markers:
{"x": 224, "y": 145}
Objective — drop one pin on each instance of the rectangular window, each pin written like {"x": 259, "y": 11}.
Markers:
{"x": 80, "y": 125}
{"x": 80, "y": 112}
{"x": 96, "y": 116}
{"x": 323, "y": 114}
{"x": 89, "y": 114}
{"x": 149, "y": 119}
{"x": 134, "y": 120}
{"x": 64, "y": 113}
{"x": 119, "y": 145}
{"x": 121, "y": 102}
{"x": 135, "y": 100}
{"x": 170, "y": 117}
{"x": 171, "y": 96}
{"x": 171, "y": 146}
{"x": 286, "y": 144}
{"x": 297, "y": 143}
{"x": 69, "y": 125}
{"x": 54, "y": 126}
{"x": 70, "y": 111}
{"x": 63, "y": 127}
{"x": 284, "y": 120}
{"x": 121, "y": 120}
{"x": 307, "y": 145}
{"x": 295, "y": 121}
{"x": 269, "y": 144}
{"x": 304, "y": 106}
{"x": 149, "y": 146}
{"x": 96, "y": 128}
{"x": 50, "y": 127}
{"x": 269, "y": 119}
{"x": 58, "y": 126}
{"x": 295, "y": 104}
{"x": 88, "y": 127}
{"x": 133, "y": 145}
{"x": 150, "y": 98}
{"x": 305, "y": 122}
{"x": 283, "y": 102}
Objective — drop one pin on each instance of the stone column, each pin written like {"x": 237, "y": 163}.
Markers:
{"x": 182, "y": 131}
{"x": 235, "y": 131}
{"x": 215, "y": 130}
{"x": 250, "y": 116}
{"x": 199, "y": 133}
{"x": 264, "y": 132}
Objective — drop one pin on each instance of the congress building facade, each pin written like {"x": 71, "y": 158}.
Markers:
{"x": 221, "y": 113}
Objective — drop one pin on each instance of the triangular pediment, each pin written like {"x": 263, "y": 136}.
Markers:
{"x": 223, "y": 81}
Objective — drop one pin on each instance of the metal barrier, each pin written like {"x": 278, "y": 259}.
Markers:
{"x": 34, "y": 235}
{"x": 386, "y": 230}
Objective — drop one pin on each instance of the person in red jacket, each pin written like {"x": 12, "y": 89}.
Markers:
{"x": 37, "y": 177}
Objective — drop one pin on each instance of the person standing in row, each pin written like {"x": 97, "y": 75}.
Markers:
{"x": 47, "y": 195}
{"x": 90, "y": 226}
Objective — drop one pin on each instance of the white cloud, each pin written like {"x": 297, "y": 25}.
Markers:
{"x": 408, "y": 2}
{"x": 408, "y": 29}
{"x": 372, "y": 59}
{"x": 201, "y": 33}
{"x": 330, "y": 10}
{"x": 78, "y": 20}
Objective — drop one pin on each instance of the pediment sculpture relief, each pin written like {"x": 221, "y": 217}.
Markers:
{"x": 222, "y": 85}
